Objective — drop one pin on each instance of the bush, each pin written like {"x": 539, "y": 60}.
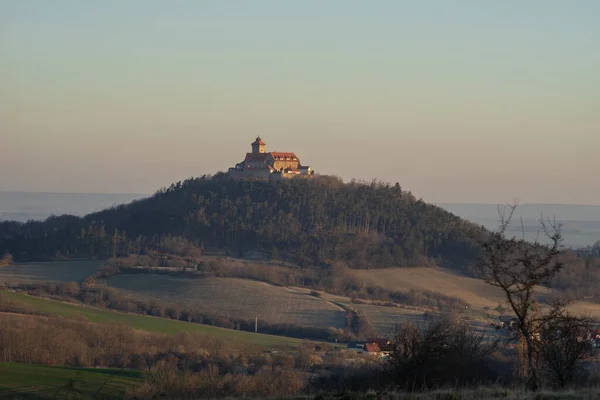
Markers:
{"x": 441, "y": 353}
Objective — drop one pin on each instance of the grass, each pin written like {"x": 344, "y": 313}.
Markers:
{"x": 52, "y": 271}
{"x": 474, "y": 291}
{"x": 149, "y": 323}
{"x": 25, "y": 381}
{"x": 236, "y": 298}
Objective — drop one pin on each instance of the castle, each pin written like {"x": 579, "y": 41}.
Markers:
{"x": 274, "y": 165}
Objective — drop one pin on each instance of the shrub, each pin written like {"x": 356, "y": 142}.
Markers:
{"x": 441, "y": 353}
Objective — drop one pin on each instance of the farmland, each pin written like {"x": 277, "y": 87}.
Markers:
{"x": 474, "y": 291}
{"x": 384, "y": 319}
{"x": 236, "y": 298}
{"x": 148, "y": 323}
{"x": 54, "y": 271}
{"x": 247, "y": 299}
{"x": 39, "y": 381}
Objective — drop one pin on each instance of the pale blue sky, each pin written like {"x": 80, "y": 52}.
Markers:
{"x": 472, "y": 101}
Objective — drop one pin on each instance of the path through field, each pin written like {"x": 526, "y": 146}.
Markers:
{"x": 235, "y": 298}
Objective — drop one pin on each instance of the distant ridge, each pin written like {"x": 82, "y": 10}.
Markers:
{"x": 75, "y": 193}
{"x": 25, "y": 206}
{"x": 581, "y": 221}
{"x": 521, "y": 205}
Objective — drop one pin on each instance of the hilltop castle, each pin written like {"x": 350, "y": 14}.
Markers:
{"x": 260, "y": 164}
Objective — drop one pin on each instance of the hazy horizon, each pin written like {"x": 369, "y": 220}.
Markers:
{"x": 581, "y": 222}
{"x": 459, "y": 102}
{"x": 465, "y": 203}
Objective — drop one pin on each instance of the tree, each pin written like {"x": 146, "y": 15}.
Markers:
{"x": 565, "y": 345}
{"x": 440, "y": 353}
{"x": 6, "y": 260}
{"x": 518, "y": 267}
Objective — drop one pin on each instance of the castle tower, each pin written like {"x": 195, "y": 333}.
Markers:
{"x": 258, "y": 146}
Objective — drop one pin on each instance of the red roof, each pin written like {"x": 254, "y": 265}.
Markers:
{"x": 277, "y": 155}
{"x": 381, "y": 342}
{"x": 372, "y": 348}
{"x": 258, "y": 141}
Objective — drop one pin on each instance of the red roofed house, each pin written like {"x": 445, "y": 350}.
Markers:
{"x": 372, "y": 348}
{"x": 260, "y": 164}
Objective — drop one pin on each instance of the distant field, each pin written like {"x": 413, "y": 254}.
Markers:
{"x": 55, "y": 271}
{"x": 236, "y": 298}
{"x": 150, "y": 324}
{"x": 474, "y": 291}
{"x": 384, "y": 319}
{"x": 23, "y": 381}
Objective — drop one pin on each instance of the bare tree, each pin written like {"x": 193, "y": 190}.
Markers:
{"x": 565, "y": 343}
{"x": 517, "y": 267}
{"x": 442, "y": 352}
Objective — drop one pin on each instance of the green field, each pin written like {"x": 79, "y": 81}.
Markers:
{"x": 148, "y": 323}
{"x": 24, "y": 381}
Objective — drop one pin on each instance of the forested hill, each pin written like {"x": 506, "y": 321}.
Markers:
{"x": 309, "y": 221}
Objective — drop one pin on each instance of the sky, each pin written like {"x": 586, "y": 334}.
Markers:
{"x": 457, "y": 100}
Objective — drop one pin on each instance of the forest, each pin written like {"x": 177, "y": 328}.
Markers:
{"x": 308, "y": 222}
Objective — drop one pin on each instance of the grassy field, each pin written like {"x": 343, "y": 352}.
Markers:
{"x": 237, "y": 298}
{"x": 54, "y": 271}
{"x": 474, "y": 291}
{"x": 24, "y": 381}
{"x": 150, "y": 324}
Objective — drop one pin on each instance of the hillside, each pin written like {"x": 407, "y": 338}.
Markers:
{"x": 232, "y": 297}
{"x": 475, "y": 292}
{"x": 144, "y": 323}
{"x": 235, "y": 297}
{"x": 24, "y": 381}
{"x": 309, "y": 222}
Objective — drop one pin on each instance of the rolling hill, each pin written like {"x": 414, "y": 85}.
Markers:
{"x": 238, "y": 298}
{"x": 317, "y": 224}
{"x": 309, "y": 222}
{"x": 147, "y": 323}
{"x": 475, "y": 292}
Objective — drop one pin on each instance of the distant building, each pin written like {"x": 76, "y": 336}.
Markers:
{"x": 383, "y": 343}
{"x": 260, "y": 164}
{"x": 506, "y": 322}
{"x": 370, "y": 347}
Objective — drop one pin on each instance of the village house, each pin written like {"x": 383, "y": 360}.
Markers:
{"x": 375, "y": 347}
{"x": 273, "y": 165}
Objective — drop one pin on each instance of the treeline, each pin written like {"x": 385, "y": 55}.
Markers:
{"x": 581, "y": 279}
{"x": 591, "y": 251}
{"x": 310, "y": 222}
